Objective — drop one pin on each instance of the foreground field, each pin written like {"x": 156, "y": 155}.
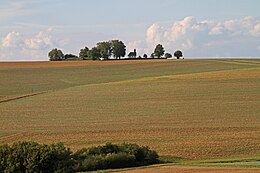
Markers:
{"x": 193, "y": 109}
{"x": 193, "y": 169}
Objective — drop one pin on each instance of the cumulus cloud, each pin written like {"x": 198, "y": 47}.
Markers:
{"x": 16, "y": 46}
{"x": 237, "y": 37}
{"x": 256, "y": 30}
{"x": 13, "y": 39}
{"x": 41, "y": 41}
{"x": 141, "y": 47}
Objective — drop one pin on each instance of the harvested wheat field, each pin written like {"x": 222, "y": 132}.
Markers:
{"x": 192, "y": 109}
{"x": 55, "y": 64}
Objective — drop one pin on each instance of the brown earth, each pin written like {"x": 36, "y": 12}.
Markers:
{"x": 192, "y": 169}
{"x": 49, "y": 64}
{"x": 189, "y": 109}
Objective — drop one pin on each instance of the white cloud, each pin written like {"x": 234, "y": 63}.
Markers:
{"x": 141, "y": 47}
{"x": 41, "y": 41}
{"x": 16, "y": 46}
{"x": 236, "y": 37}
{"x": 13, "y": 39}
{"x": 256, "y": 30}
{"x": 155, "y": 33}
{"x": 22, "y": 46}
{"x": 206, "y": 38}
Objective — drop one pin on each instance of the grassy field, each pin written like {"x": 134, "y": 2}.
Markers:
{"x": 193, "y": 109}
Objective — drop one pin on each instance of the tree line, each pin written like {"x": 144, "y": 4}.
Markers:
{"x": 33, "y": 157}
{"x": 107, "y": 49}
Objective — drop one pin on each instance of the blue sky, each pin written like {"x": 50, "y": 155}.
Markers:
{"x": 201, "y": 28}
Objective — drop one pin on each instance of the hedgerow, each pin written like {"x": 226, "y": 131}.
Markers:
{"x": 30, "y": 157}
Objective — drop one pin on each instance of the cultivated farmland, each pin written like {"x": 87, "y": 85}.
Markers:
{"x": 193, "y": 109}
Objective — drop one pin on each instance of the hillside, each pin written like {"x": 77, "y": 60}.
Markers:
{"x": 194, "y": 109}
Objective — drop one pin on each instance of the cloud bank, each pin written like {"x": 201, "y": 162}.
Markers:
{"x": 205, "y": 38}
{"x": 18, "y": 47}
{"x": 208, "y": 38}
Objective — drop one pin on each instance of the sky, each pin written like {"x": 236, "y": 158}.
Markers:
{"x": 29, "y": 29}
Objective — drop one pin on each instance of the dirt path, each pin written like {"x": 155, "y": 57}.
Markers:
{"x": 193, "y": 169}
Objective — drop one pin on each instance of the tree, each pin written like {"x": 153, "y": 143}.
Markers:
{"x": 145, "y": 56}
{"x": 105, "y": 49}
{"x": 118, "y": 49}
{"x": 168, "y": 55}
{"x": 70, "y": 57}
{"x": 34, "y": 157}
{"x": 114, "y": 156}
{"x": 83, "y": 54}
{"x": 152, "y": 55}
{"x": 56, "y": 55}
{"x": 94, "y": 53}
{"x": 159, "y": 51}
{"x": 178, "y": 54}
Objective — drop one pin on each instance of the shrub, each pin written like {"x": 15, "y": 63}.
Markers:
{"x": 142, "y": 154}
{"x": 168, "y": 55}
{"x": 112, "y": 156}
{"x": 33, "y": 157}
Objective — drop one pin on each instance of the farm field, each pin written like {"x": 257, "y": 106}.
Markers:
{"x": 193, "y": 109}
{"x": 193, "y": 169}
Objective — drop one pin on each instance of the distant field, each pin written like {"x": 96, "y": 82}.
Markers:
{"x": 194, "y": 109}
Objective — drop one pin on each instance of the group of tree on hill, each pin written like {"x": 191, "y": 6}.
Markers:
{"x": 107, "y": 49}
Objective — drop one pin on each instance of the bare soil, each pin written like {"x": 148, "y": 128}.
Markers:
{"x": 49, "y": 64}
{"x": 193, "y": 169}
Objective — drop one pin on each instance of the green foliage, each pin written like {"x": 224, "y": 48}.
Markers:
{"x": 105, "y": 49}
{"x": 94, "y": 53}
{"x": 56, "y": 55}
{"x": 83, "y": 54}
{"x": 152, "y": 55}
{"x": 142, "y": 154}
{"x": 118, "y": 49}
{"x": 70, "y": 57}
{"x": 33, "y": 157}
{"x": 4, "y": 151}
{"x": 102, "y": 50}
{"x": 159, "y": 51}
{"x": 178, "y": 54}
{"x": 109, "y": 161}
{"x": 145, "y": 56}
{"x": 112, "y": 156}
{"x": 168, "y": 55}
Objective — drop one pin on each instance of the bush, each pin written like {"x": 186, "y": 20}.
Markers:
{"x": 33, "y": 157}
{"x": 168, "y": 55}
{"x": 112, "y": 156}
{"x": 143, "y": 155}
{"x": 110, "y": 161}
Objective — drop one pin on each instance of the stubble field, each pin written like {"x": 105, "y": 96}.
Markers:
{"x": 193, "y": 109}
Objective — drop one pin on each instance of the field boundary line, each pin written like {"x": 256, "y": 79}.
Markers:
{"x": 238, "y": 62}
{"x": 7, "y": 137}
{"x": 177, "y": 76}
{"x": 21, "y": 97}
